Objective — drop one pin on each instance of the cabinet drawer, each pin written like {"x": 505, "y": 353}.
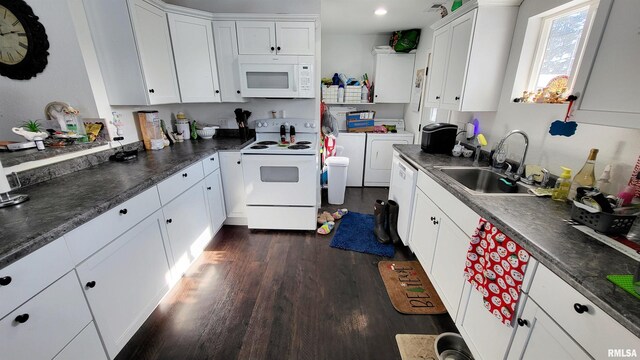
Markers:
{"x": 461, "y": 214}
{"x": 28, "y": 276}
{"x": 55, "y": 317}
{"x": 86, "y": 345}
{"x": 92, "y": 236}
{"x": 210, "y": 164}
{"x": 180, "y": 182}
{"x": 594, "y": 330}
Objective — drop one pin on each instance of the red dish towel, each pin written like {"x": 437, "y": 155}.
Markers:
{"x": 496, "y": 267}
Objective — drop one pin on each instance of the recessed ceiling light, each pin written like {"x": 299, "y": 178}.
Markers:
{"x": 380, "y": 11}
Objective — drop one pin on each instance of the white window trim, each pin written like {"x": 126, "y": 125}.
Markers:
{"x": 543, "y": 38}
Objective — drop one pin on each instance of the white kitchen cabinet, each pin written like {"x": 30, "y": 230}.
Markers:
{"x": 188, "y": 226}
{"x": 195, "y": 58}
{"x": 233, "y": 187}
{"x": 353, "y": 145}
{"x": 424, "y": 229}
{"x": 539, "y": 337}
{"x": 215, "y": 201}
{"x": 470, "y": 52}
{"x": 43, "y": 326}
{"x": 282, "y": 37}
{"x": 125, "y": 280}
{"x": 85, "y": 346}
{"x": 226, "y": 45}
{"x": 134, "y": 52}
{"x": 393, "y": 78}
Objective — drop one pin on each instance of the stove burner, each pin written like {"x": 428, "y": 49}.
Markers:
{"x": 298, "y": 147}
{"x": 303, "y": 142}
{"x": 266, "y": 143}
{"x": 259, "y": 147}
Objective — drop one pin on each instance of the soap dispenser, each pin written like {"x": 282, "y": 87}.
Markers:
{"x": 563, "y": 184}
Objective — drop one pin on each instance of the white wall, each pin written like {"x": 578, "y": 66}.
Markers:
{"x": 618, "y": 146}
{"x": 64, "y": 79}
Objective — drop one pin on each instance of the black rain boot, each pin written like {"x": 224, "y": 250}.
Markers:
{"x": 392, "y": 214}
{"x": 380, "y": 214}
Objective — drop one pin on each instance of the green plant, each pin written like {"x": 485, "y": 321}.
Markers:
{"x": 32, "y": 125}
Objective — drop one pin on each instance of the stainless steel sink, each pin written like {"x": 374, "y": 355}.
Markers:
{"x": 481, "y": 181}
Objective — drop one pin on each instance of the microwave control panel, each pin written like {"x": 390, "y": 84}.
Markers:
{"x": 305, "y": 80}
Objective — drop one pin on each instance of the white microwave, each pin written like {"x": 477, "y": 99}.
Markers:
{"x": 273, "y": 76}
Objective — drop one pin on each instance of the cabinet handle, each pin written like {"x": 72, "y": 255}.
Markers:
{"x": 152, "y": 91}
{"x": 579, "y": 308}
{"x": 437, "y": 97}
{"x": 208, "y": 187}
{"x": 21, "y": 319}
{"x": 217, "y": 91}
{"x": 436, "y": 223}
{"x": 91, "y": 284}
{"x": 272, "y": 48}
{"x": 185, "y": 175}
{"x": 457, "y": 97}
{"x": 278, "y": 48}
{"x": 123, "y": 211}
{"x": 238, "y": 162}
{"x": 433, "y": 218}
{"x": 212, "y": 159}
{"x": 238, "y": 91}
{"x": 6, "y": 280}
{"x": 522, "y": 322}
{"x": 169, "y": 221}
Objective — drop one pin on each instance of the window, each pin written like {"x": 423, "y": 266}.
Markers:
{"x": 560, "y": 47}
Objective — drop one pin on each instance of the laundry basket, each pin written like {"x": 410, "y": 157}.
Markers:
{"x": 337, "y": 178}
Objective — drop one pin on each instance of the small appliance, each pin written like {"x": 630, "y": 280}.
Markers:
{"x": 439, "y": 138}
{"x": 276, "y": 76}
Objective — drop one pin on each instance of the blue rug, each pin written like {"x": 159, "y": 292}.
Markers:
{"x": 355, "y": 233}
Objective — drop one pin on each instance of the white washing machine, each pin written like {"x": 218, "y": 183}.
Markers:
{"x": 379, "y": 153}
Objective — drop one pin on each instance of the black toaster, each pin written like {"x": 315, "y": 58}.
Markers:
{"x": 439, "y": 138}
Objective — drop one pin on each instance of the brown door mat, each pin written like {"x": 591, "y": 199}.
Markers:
{"x": 409, "y": 288}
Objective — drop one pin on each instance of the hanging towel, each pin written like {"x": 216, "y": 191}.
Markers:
{"x": 495, "y": 267}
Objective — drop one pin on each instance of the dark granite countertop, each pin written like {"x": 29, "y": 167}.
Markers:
{"x": 11, "y": 158}
{"x": 538, "y": 225}
{"x": 59, "y": 205}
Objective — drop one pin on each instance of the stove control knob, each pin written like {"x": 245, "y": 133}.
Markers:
{"x": 259, "y": 124}
{"x": 286, "y": 124}
{"x": 307, "y": 125}
{"x": 313, "y": 125}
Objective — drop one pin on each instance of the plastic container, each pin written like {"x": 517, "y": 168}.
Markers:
{"x": 341, "y": 94}
{"x": 337, "y": 167}
{"x": 603, "y": 222}
{"x": 563, "y": 184}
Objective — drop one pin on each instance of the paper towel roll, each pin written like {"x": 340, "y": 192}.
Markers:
{"x": 4, "y": 183}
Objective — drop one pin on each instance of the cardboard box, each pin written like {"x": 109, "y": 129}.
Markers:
{"x": 360, "y": 121}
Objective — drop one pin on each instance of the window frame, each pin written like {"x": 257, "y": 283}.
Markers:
{"x": 543, "y": 39}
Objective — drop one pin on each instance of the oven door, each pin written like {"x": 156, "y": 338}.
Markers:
{"x": 276, "y": 180}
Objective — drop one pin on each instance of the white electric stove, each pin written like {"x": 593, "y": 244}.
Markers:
{"x": 281, "y": 178}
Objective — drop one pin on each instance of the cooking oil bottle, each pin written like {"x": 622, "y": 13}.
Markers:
{"x": 563, "y": 184}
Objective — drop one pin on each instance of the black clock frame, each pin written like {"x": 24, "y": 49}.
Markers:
{"x": 36, "y": 59}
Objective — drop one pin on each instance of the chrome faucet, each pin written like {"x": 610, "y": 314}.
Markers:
{"x": 520, "y": 170}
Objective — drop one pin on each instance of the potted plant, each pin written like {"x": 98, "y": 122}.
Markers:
{"x": 30, "y": 129}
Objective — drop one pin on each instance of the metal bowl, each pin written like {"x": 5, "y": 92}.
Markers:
{"x": 451, "y": 346}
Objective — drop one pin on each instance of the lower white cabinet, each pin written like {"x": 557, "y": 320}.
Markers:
{"x": 215, "y": 200}
{"x": 539, "y": 337}
{"x": 233, "y": 186}
{"x": 424, "y": 229}
{"x": 85, "y": 346}
{"x": 43, "y": 326}
{"x": 188, "y": 227}
{"x": 125, "y": 280}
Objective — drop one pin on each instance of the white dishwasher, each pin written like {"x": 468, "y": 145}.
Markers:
{"x": 402, "y": 190}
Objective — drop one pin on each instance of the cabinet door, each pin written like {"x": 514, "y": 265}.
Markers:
{"x": 125, "y": 280}
{"x": 233, "y": 187}
{"x": 436, "y": 74}
{"x": 154, "y": 47}
{"x": 296, "y": 38}
{"x": 256, "y": 37}
{"x": 188, "y": 227}
{"x": 393, "y": 78}
{"x": 86, "y": 345}
{"x": 461, "y": 34}
{"x": 449, "y": 262}
{"x": 194, "y": 53}
{"x": 215, "y": 200}
{"x": 224, "y": 34}
{"x": 424, "y": 230}
{"x": 542, "y": 338}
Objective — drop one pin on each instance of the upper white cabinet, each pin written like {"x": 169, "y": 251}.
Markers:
{"x": 470, "y": 52}
{"x": 608, "y": 77}
{"x": 282, "y": 37}
{"x": 393, "y": 76}
{"x": 224, "y": 34}
{"x": 134, "y": 51}
{"x": 195, "y": 57}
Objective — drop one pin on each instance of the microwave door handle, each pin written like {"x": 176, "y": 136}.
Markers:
{"x": 295, "y": 79}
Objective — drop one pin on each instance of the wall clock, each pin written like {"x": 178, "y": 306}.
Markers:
{"x": 23, "y": 41}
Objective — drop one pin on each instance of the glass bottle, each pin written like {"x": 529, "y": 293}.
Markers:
{"x": 586, "y": 177}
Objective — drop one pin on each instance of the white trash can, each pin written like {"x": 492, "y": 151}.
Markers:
{"x": 337, "y": 178}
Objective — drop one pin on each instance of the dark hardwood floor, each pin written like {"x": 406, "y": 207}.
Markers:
{"x": 281, "y": 295}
